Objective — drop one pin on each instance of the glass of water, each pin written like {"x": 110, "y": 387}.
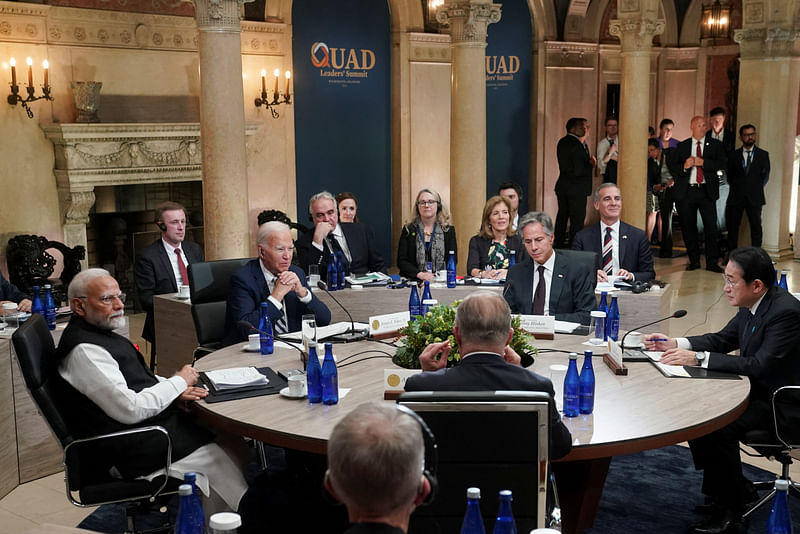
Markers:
{"x": 309, "y": 328}
{"x": 313, "y": 275}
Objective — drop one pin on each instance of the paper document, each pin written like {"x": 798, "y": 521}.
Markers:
{"x": 236, "y": 377}
{"x": 369, "y": 278}
{"x": 326, "y": 331}
{"x": 566, "y": 327}
{"x": 671, "y": 370}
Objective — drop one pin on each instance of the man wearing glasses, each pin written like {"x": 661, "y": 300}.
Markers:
{"x": 765, "y": 332}
{"x": 271, "y": 278}
{"x": 109, "y": 388}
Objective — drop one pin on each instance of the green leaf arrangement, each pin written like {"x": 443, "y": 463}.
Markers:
{"x": 437, "y": 326}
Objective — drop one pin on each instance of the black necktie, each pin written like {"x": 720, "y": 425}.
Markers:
{"x": 749, "y": 161}
{"x": 540, "y": 294}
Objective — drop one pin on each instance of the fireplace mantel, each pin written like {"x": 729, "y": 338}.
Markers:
{"x": 100, "y": 154}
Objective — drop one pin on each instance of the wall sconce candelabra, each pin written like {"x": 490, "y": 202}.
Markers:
{"x": 15, "y": 97}
{"x": 263, "y": 100}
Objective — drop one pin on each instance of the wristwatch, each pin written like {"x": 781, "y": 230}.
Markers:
{"x": 699, "y": 356}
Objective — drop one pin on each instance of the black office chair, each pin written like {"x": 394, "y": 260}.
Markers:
{"x": 209, "y": 283}
{"x": 87, "y": 482}
{"x": 588, "y": 259}
{"x": 493, "y": 440}
{"x": 779, "y": 445}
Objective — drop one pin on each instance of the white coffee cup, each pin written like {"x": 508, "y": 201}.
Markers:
{"x": 441, "y": 276}
{"x": 634, "y": 340}
{"x": 297, "y": 385}
{"x": 254, "y": 342}
{"x": 183, "y": 291}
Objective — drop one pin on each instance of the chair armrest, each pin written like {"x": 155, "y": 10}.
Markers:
{"x": 786, "y": 415}
{"x": 199, "y": 352}
{"x": 76, "y": 444}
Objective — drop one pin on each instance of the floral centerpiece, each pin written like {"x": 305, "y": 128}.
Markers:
{"x": 437, "y": 326}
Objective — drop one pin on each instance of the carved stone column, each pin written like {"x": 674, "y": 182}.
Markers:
{"x": 468, "y": 20}
{"x": 77, "y": 204}
{"x": 769, "y": 82}
{"x": 222, "y": 129}
{"x": 636, "y": 35}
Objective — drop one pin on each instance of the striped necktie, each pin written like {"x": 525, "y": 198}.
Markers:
{"x": 608, "y": 247}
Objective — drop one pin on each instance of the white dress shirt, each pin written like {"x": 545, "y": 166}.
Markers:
{"x": 602, "y": 150}
{"x": 548, "y": 279}
{"x": 337, "y": 234}
{"x": 614, "y": 244}
{"x": 173, "y": 260}
{"x": 270, "y": 278}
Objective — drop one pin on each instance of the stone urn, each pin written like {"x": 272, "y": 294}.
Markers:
{"x": 87, "y": 100}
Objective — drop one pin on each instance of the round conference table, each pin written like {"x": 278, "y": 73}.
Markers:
{"x": 635, "y": 412}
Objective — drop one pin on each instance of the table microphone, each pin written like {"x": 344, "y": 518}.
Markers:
{"x": 677, "y": 315}
{"x": 352, "y": 334}
{"x": 250, "y": 328}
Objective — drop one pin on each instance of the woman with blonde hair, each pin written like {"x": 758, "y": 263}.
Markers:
{"x": 425, "y": 242}
{"x": 490, "y": 250}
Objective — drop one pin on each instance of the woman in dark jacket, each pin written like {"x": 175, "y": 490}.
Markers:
{"x": 425, "y": 243}
{"x": 490, "y": 250}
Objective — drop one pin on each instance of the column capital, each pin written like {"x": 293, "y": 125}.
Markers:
{"x": 77, "y": 206}
{"x": 219, "y": 15}
{"x": 767, "y": 42}
{"x": 468, "y": 19}
{"x": 636, "y": 34}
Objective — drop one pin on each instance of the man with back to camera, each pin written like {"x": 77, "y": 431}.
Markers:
{"x": 163, "y": 266}
{"x": 11, "y": 293}
{"x": 765, "y": 332}
{"x": 694, "y": 164}
{"x": 109, "y": 388}
{"x": 748, "y": 174}
{"x": 624, "y": 249}
{"x": 354, "y": 240}
{"x": 483, "y": 330}
{"x": 512, "y": 192}
{"x": 574, "y": 184}
{"x": 550, "y": 284}
{"x": 271, "y": 278}
{"x": 376, "y": 456}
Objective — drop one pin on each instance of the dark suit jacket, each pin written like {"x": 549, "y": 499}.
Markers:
{"x": 9, "y": 291}
{"x": 360, "y": 241}
{"x": 714, "y": 159}
{"x": 571, "y": 294}
{"x": 768, "y": 354}
{"x": 634, "y": 248}
{"x": 748, "y": 188}
{"x": 154, "y": 276}
{"x": 489, "y": 372}
{"x": 728, "y": 140}
{"x": 479, "y": 251}
{"x": 407, "y": 251}
{"x": 574, "y": 166}
{"x": 249, "y": 290}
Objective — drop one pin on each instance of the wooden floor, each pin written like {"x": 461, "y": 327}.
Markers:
{"x": 700, "y": 292}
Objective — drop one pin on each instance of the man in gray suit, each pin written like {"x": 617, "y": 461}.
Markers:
{"x": 551, "y": 284}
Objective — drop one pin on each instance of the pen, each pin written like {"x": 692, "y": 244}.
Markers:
{"x": 658, "y": 339}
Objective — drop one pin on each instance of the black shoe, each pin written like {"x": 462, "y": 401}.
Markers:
{"x": 692, "y": 266}
{"x": 714, "y": 268}
{"x": 666, "y": 255}
{"x": 723, "y": 520}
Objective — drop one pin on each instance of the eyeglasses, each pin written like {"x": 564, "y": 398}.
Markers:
{"x": 731, "y": 283}
{"x": 424, "y": 203}
{"x": 107, "y": 299}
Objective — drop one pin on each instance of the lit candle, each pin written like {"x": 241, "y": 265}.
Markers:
{"x": 288, "y": 75}
{"x": 263, "y": 80}
{"x": 29, "y": 61}
{"x": 277, "y": 75}
{"x": 46, "y": 67}
{"x": 13, "y": 63}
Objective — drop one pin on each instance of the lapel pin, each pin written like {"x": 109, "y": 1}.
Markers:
{"x": 624, "y": 237}
{"x": 560, "y": 275}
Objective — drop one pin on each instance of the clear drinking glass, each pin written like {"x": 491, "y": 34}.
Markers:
{"x": 309, "y": 329}
{"x": 313, "y": 275}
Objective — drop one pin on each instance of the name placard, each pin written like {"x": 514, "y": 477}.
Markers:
{"x": 615, "y": 352}
{"x": 538, "y": 324}
{"x": 388, "y": 323}
{"x": 395, "y": 379}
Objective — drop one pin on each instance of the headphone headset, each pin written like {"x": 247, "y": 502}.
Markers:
{"x": 641, "y": 287}
{"x": 162, "y": 226}
{"x": 430, "y": 465}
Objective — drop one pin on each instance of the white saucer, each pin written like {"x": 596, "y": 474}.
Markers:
{"x": 246, "y": 348}
{"x": 285, "y": 393}
{"x": 640, "y": 346}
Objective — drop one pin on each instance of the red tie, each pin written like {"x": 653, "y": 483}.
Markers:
{"x": 699, "y": 175}
{"x": 182, "y": 268}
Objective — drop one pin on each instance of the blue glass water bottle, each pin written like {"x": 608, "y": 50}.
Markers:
{"x": 265, "y": 330}
{"x": 330, "y": 377}
{"x": 414, "y": 304}
{"x": 586, "y": 385}
{"x": 612, "y": 320}
{"x": 36, "y": 305}
{"x": 780, "y": 522}
{"x": 332, "y": 278}
{"x": 314, "y": 376}
{"x": 426, "y": 295}
{"x": 340, "y": 269}
{"x": 49, "y": 308}
{"x": 505, "y": 523}
{"x": 512, "y": 259}
{"x": 783, "y": 283}
{"x": 572, "y": 388}
{"x": 451, "y": 270}
{"x": 473, "y": 521}
{"x": 197, "y": 505}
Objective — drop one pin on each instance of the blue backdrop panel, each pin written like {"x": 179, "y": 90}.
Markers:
{"x": 342, "y": 107}
{"x": 508, "y": 100}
